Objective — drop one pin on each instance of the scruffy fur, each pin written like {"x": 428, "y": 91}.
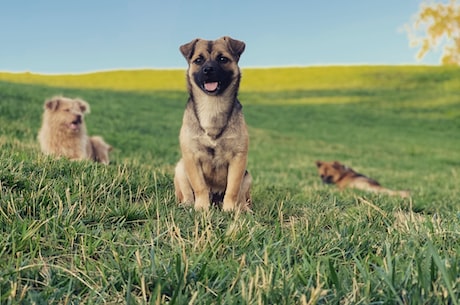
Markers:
{"x": 214, "y": 138}
{"x": 63, "y": 132}
{"x": 345, "y": 177}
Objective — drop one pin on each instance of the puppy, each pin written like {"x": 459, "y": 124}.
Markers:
{"x": 213, "y": 138}
{"x": 63, "y": 132}
{"x": 345, "y": 177}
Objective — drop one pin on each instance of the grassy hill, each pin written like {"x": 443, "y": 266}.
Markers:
{"x": 79, "y": 232}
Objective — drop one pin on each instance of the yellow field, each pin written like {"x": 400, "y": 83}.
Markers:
{"x": 131, "y": 80}
{"x": 254, "y": 79}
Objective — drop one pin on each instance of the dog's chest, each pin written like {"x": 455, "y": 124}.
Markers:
{"x": 213, "y": 113}
{"x": 216, "y": 151}
{"x": 214, "y": 158}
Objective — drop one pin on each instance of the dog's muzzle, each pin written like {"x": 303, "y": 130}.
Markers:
{"x": 210, "y": 83}
{"x": 327, "y": 179}
{"x": 75, "y": 124}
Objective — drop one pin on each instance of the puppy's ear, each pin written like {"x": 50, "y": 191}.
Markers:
{"x": 337, "y": 165}
{"x": 188, "y": 49}
{"x": 84, "y": 107}
{"x": 53, "y": 103}
{"x": 235, "y": 46}
{"x": 319, "y": 163}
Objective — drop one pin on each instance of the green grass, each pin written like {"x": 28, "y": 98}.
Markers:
{"x": 80, "y": 232}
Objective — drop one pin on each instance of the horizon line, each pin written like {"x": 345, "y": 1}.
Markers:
{"x": 241, "y": 67}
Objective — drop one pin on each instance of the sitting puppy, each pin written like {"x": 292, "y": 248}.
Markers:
{"x": 63, "y": 132}
{"x": 214, "y": 138}
{"x": 345, "y": 177}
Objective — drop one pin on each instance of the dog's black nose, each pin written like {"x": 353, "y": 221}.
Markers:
{"x": 208, "y": 70}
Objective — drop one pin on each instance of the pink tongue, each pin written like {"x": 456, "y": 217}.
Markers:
{"x": 73, "y": 126}
{"x": 211, "y": 86}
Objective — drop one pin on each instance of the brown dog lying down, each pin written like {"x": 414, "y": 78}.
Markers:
{"x": 63, "y": 132}
{"x": 345, "y": 177}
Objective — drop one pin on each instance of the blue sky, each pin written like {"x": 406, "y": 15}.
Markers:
{"x": 51, "y": 36}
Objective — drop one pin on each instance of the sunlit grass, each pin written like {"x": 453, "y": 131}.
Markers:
{"x": 80, "y": 232}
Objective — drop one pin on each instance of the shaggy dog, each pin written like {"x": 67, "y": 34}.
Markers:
{"x": 63, "y": 132}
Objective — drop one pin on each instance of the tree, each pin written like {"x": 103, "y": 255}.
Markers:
{"x": 440, "y": 22}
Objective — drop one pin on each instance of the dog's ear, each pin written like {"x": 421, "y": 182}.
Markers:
{"x": 188, "y": 49}
{"x": 53, "y": 103}
{"x": 84, "y": 107}
{"x": 337, "y": 165}
{"x": 235, "y": 46}
{"x": 319, "y": 163}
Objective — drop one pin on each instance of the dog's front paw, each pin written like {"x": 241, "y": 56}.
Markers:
{"x": 229, "y": 205}
{"x": 186, "y": 203}
{"x": 202, "y": 204}
{"x": 404, "y": 194}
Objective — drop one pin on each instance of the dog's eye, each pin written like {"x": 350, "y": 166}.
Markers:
{"x": 67, "y": 110}
{"x": 223, "y": 59}
{"x": 198, "y": 61}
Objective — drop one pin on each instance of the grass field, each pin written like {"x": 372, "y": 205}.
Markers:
{"x": 84, "y": 233}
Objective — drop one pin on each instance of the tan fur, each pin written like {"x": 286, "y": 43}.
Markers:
{"x": 213, "y": 138}
{"x": 345, "y": 177}
{"x": 100, "y": 150}
{"x": 63, "y": 132}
